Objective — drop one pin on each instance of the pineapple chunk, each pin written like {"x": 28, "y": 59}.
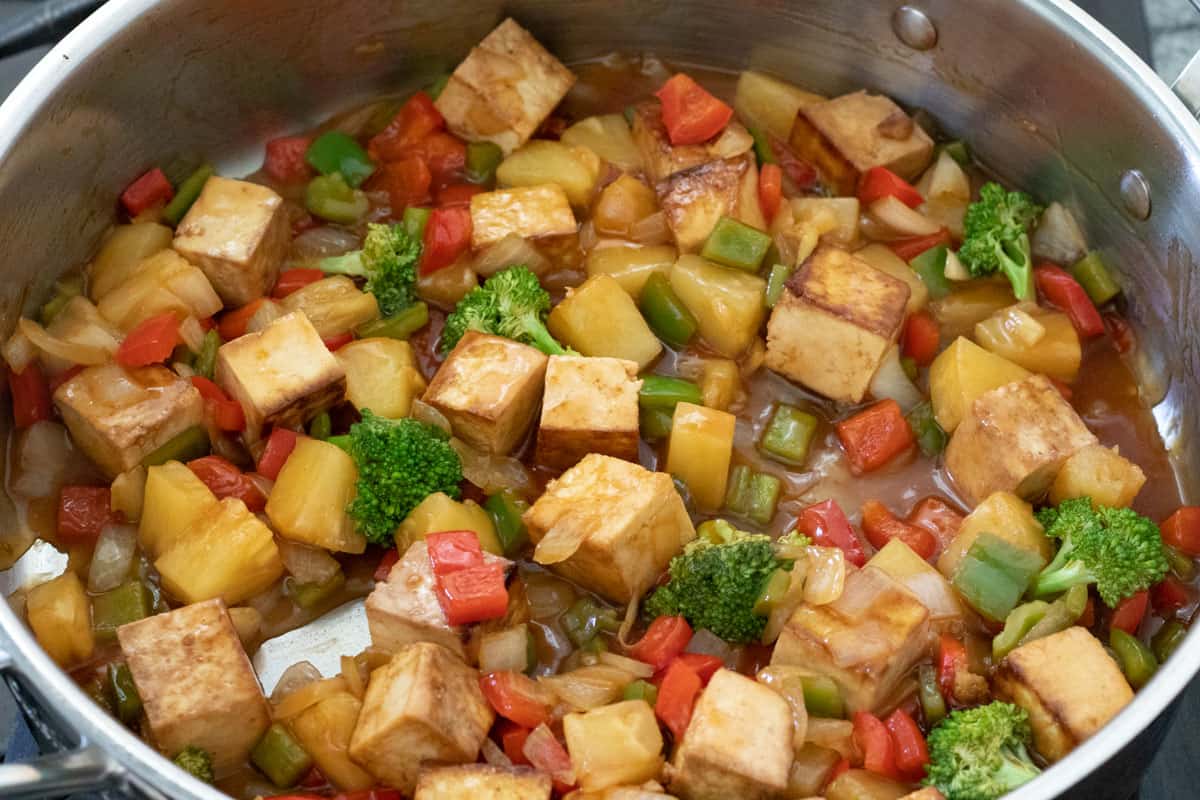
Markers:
{"x": 1002, "y": 514}
{"x": 126, "y": 247}
{"x": 333, "y": 305}
{"x": 230, "y": 554}
{"x": 1102, "y": 474}
{"x": 607, "y": 136}
{"x": 60, "y": 615}
{"x": 623, "y": 203}
{"x": 615, "y": 744}
{"x": 129, "y": 492}
{"x": 631, "y": 266}
{"x": 727, "y": 303}
{"x": 524, "y": 211}
{"x": 959, "y": 312}
{"x": 175, "y": 502}
{"x": 1055, "y": 352}
{"x": 835, "y": 217}
{"x": 881, "y": 257}
{"x": 770, "y": 104}
{"x": 309, "y": 499}
{"x": 438, "y": 512}
{"x": 960, "y": 374}
{"x": 324, "y": 731}
{"x": 541, "y": 161}
{"x": 598, "y": 318}
{"x": 164, "y": 282}
{"x": 699, "y": 451}
{"x": 382, "y": 375}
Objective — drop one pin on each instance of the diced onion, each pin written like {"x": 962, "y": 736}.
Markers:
{"x": 247, "y": 621}
{"x": 651, "y": 230}
{"x": 267, "y": 313}
{"x": 19, "y": 351}
{"x": 423, "y": 412}
{"x": 948, "y": 181}
{"x": 836, "y": 734}
{"x": 87, "y": 355}
{"x": 588, "y": 687}
{"x": 510, "y": 251}
{"x": 560, "y": 542}
{"x": 307, "y": 564}
{"x": 826, "y": 575}
{"x": 295, "y": 677}
{"x": 545, "y": 753}
{"x": 733, "y": 141}
{"x": 492, "y": 473}
{"x": 192, "y": 334}
{"x": 955, "y": 270}
{"x": 309, "y": 695}
{"x": 42, "y": 460}
{"x": 353, "y": 676}
{"x": 261, "y": 482}
{"x": 1058, "y": 237}
{"x": 588, "y": 238}
{"x": 504, "y": 651}
{"x": 892, "y": 382}
{"x": 788, "y": 682}
{"x": 112, "y": 558}
{"x": 322, "y": 242}
{"x": 861, "y": 592}
{"x": 638, "y": 669}
{"x": 900, "y": 219}
{"x": 787, "y": 604}
{"x": 493, "y": 755}
{"x": 631, "y": 613}
{"x": 934, "y": 593}
{"x": 708, "y": 643}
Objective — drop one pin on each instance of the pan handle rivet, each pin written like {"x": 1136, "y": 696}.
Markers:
{"x": 913, "y": 27}
{"x": 1135, "y": 193}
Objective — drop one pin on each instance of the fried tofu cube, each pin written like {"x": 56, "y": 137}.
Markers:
{"x": 590, "y": 405}
{"x": 834, "y": 324}
{"x": 1015, "y": 438}
{"x": 282, "y": 375}
{"x": 663, "y": 159}
{"x": 119, "y": 416}
{"x": 489, "y": 388}
{"x": 483, "y": 782}
{"x": 848, "y": 135}
{"x": 738, "y": 743}
{"x": 866, "y": 645}
{"x": 504, "y": 89}
{"x": 237, "y": 232}
{"x": 694, "y": 200}
{"x": 529, "y": 212}
{"x": 609, "y": 525}
{"x": 1100, "y": 473}
{"x": 425, "y": 705}
{"x": 1063, "y": 709}
{"x": 405, "y": 609}
{"x": 196, "y": 683}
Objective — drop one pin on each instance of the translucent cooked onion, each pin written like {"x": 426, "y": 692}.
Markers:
{"x": 651, "y": 230}
{"x": 826, "y": 575}
{"x": 322, "y": 242}
{"x": 1058, "y": 237}
{"x": 295, "y": 677}
{"x": 353, "y": 677}
{"x": 638, "y": 669}
{"x": 493, "y": 755}
{"x": 545, "y": 753}
{"x": 112, "y": 558}
{"x": 492, "y": 473}
{"x": 836, "y": 734}
{"x": 788, "y": 682}
{"x": 588, "y": 687}
{"x": 504, "y": 651}
{"x": 900, "y": 219}
{"x": 307, "y": 564}
{"x": 934, "y": 593}
{"x": 708, "y": 643}
{"x": 861, "y": 592}
{"x": 508, "y": 252}
{"x": 787, "y": 604}
{"x": 588, "y": 238}
{"x": 84, "y": 354}
{"x": 267, "y": 313}
{"x": 423, "y": 412}
{"x": 42, "y": 460}
{"x": 192, "y": 334}
{"x": 308, "y": 695}
{"x": 891, "y": 382}
{"x": 955, "y": 270}
{"x": 18, "y": 352}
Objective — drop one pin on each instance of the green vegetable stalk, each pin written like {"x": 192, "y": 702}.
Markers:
{"x": 388, "y": 260}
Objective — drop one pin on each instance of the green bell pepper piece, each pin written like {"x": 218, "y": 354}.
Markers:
{"x": 735, "y": 244}
{"x": 1095, "y": 278}
{"x": 933, "y": 705}
{"x": 763, "y": 497}
{"x": 65, "y": 290}
{"x": 1062, "y": 614}
{"x": 124, "y": 691}
{"x": 129, "y": 602}
{"x": 666, "y": 314}
{"x": 334, "y": 152}
{"x": 762, "y": 147}
{"x": 1167, "y": 639}
{"x": 737, "y": 488}
{"x": 414, "y": 220}
{"x": 1182, "y": 565}
{"x": 661, "y": 392}
{"x": 586, "y": 619}
{"x": 994, "y": 574}
{"x": 909, "y": 365}
{"x": 330, "y": 197}
{"x": 776, "y": 279}
{"x": 400, "y": 325}
{"x": 321, "y": 426}
{"x": 641, "y": 690}
{"x": 342, "y": 441}
{"x": 929, "y": 434}
{"x": 1018, "y": 623}
{"x": 788, "y": 435}
{"x": 930, "y": 267}
{"x": 654, "y": 423}
{"x": 482, "y": 160}
{"x": 439, "y": 83}
{"x": 506, "y": 508}
{"x": 1136, "y": 660}
{"x": 280, "y": 757}
{"x": 205, "y": 362}
{"x": 822, "y": 697}
{"x": 957, "y": 150}
{"x": 311, "y": 594}
{"x": 187, "y": 193}
{"x": 192, "y": 443}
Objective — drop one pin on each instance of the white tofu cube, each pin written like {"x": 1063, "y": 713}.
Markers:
{"x": 738, "y": 743}
{"x": 425, "y": 705}
{"x": 489, "y": 388}
{"x": 282, "y": 375}
{"x": 1015, "y": 438}
{"x": 529, "y": 212}
{"x": 694, "y": 200}
{"x": 483, "y": 782}
{"x": 609, "y": 525}
{"x": 867, "y": 640}
{"x": 196, "y": 683}
{"x": 834, "y": 324}
{"x": 1066, "y": 704}
{"x": 663, "y": 159}
{"x": 238, "y": 233}
{"x": 504, "y": 89}
{"x": 119, "y": 416}
{"x": 590, "y": 405}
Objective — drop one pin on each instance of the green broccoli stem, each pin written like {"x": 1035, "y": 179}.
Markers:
{"x": 1016, "y": 264}
{"x": 1016, "y": 768}
{"x": 346, "y": 264}
{"x": 1057, "y": 580}
{"x": 542, "y": 340}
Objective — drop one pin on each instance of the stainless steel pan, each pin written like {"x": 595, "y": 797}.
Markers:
{"x": 1045, "y": 95}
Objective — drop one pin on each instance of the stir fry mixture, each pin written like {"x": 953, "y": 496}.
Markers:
{"x": 678, "y": 448}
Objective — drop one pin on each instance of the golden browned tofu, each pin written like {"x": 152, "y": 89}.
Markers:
{"x": 663, "y": 159}
{"x": 196, "y": 683}
{"x": 238, "y": 233}
{"x": 529, "y": 212}
{"x": 1100, "y": 473}
{"x": 834, "y": 324}
{"x": 483, "y": 782}
{"x": 1014, "y": 439}
{"x": 695, "y": 200}
{"x": 119, "y": 416}
{"x": 1069, "y": 685}
{"x": 848, "y": 135}
{"x": 738, "y": 743}
{"x": 425, "y": 705}
{"x": 590, "y": 405}
{"x": 609, "y": 525}
{"x": 489, "y": 388}
{"x": 504, "y": 89}
{"x": 867, "y": 640}
{"x": 282, "y": 375}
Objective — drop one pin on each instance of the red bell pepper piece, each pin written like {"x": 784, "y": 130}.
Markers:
{"x": 952, "y": 657}
{"x": 880, "y": 182}
{"x": 676, "y": 697}
{"x": 30, "y": 395}
{"x": 921, "y": 338}
{"x": 292, "y": 280}
{"x": 881, "y": 526}
{"x": 826, "y": 524}
{"x": 1170, "y": 595}
{"x": 406, "y": 180}
{"x": 457, "y": 194}
{"x": 473, "y": 594}
{"x": 233, "y": 323}
{"x": 450, "y": 551}
{"x": 770, "y": 190}
{"x": 913, "y": 246}
{"x": 936, "y": 516}
{"x": 515, "y": 697}
{"x": 512, "y": 739}
{"x": 226, "y": 412}
{"x": 690, "y": 114}
{"x": 280, "y": 444}
{"x": 664, "y": 639}
{"x": 1181, "y": 530}
{"x": 875, "y": 743}
{"x": 415, "y": 120}
{"x": 1120, "y": 331}
{"x": 445, "y": 155}
{"x": 547, "y": 754}
{"x": 1130, "y": 612}
{"x": 224, "y": 479}
{"x": 447, "y": 236}
{"x": 912, "y": 754}
{"x": 702, "y": 664}
{"x": 83, "y": 511}
{"x": 384, "y": 568}
{"x": 150, "y": 190}
{"x": 873, "y": 437}
{"x": 1061, "y": 289}
{"x": 151, "y": 342}
{"x": 285, "y": 160}
{"x": 338, "y": 341}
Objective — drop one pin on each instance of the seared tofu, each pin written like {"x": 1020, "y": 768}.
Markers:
{"x": 196, "y": 683}
{"x": 849, "y": 135}
{"x": 164, "y": 282}
{"x": 694, "y": 200}
{"x": 529, "y": 212}
{"x": 609, "y": 525}
{"x": 738, "y": 743}
{"x": 590, "y": 405}
{"x": 282, "y": 375}
{"x": 834, "y": 324}
{"x": 663, "y": 159}
{"x": 504, "y": 89}
{"x": 425, "y": 705}
{"x": 489, "y": 388}
{"x": 238, "y": 233}
{"x": 1069, "y": 685}
{"x": 867, "y": 646}
{"x": 119, "y": 416}
{"x": 1015, "y": 438}
{"x": 483, "y": 782}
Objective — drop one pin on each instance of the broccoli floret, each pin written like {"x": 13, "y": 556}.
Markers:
{"x": 981, "y": 753}
{"x": 996, "y": 237}
{"x": 195, "y": 761}
{"x": 1117, "y": 549}
{"x": 388, "y": 260}
{"x": 717, "y": 580}
{"x": 400, "y": 463}
{"x": 511, "y": 303}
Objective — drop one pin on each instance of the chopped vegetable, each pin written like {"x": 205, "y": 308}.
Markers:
{"x": 880, "y": 182}
{"x": 205, "y": 362}
{"x": 30, "y": 395}
{"x": 876, "y": 745}
{"x": 284, "y": 160}
{"x": 776, "y": 279}
{"x": 921, "y": 338}
{"x": 330, "y": 197}
{"x": 482, "y": 160}
{"x": 388, "y": 260}
{"x": 586, "y": 619}
{"x": 1129, "y": 613}
{"x": 321, "y": 426}
{"x": 690, "y": 114}
{"x": 227, "y": 413}
{"x": 664, "y": 639}
{"x": 996, "y": 237}
{"x": 735, "y": 244}
{"x": 511, "y": 303}
{"x": 913, "y": 246}
{"x": 1136, "y": 660}
{"x": 994, "y": 574}
{"x": 149, "y": 190}
{"x": 826, "y": 524}
{"x": 506, "y": 508}
{"x": 929, "y": 434}
{"x": 83, "y": 511}
{"x": 293, "y": 280}
{"x": 468, "y": 588}
{"x": 933, "y": 705}
{"x": 912, "y": 754}
{"x": 641, "y": 690}
{"x": 770, "y": 189}
{"x": 1181, "y": 530}
{"x": 151, "y": 342}
{"x": 666, "y": 314}
{"x": 187, "y": 193}
{"x": 752, "y": 494}
{"x": 1095, "y": 278}
{"x": 873, "y": 437}
{"x": 280, "y": 757}
{"x": 1065, "y": 292}
{"x": 447, "y": 236}
{"x": 280, "y": 444}
{"x": 930, "y": 266}
{"x": 981, "y": 753}
{"x": 129, "y": 602}
{"x": 660, "y": 392}
{"x": 399, "y": 326}
{"x": 788, "y": 435}
{"x": 224, "y": 479}
{"x": 192, "y": 443}
{"x": 677, "y": 696}
{"x": 881, "y": 526}
{"x": 1167, "y": 640}
{"x": 334, "y": 152}
{"x": 124, "y": 692}
{"x": 515, "y": 697}
{"x": 195, "y": 762}
{"x": 823, "y": 697}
